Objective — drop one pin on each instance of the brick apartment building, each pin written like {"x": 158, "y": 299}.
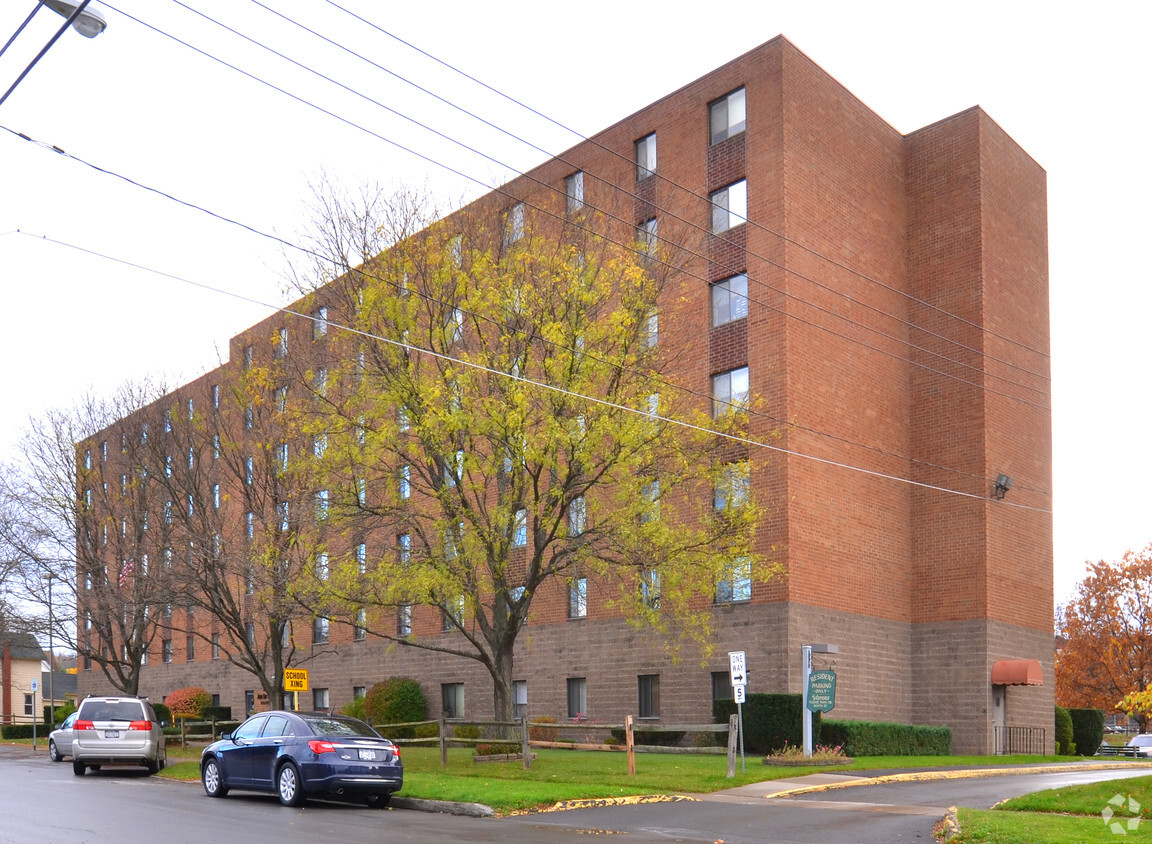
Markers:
{"x": 895, "y": 329}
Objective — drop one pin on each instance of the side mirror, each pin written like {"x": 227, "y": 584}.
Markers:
{"x": 226, "y": 737}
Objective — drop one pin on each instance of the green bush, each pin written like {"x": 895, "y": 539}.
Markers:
{"x": 770, "y": 720}
{"x": 64, "y": 711}
{"x": 20, "y": 731}
{"x": 1064, "y": 743}
{"x": 216, "y": 713}
{"x": 163, "y": 713}
{"x": 466, "y": 731}
{"x": 651, "y": 738}
{"x": 495, "y": 748}
{"x": 395, "y": 701}
{"x": 1087, "y": 730}
{"x": 881, "y": 738}
{"x": 355, "y": 709}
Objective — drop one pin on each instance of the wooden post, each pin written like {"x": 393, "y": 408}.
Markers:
{"x": 630, "y": 745}
{"x": 443, "y": 743}
{"x": 524, "y": 742}
{"x": 182, "y": 733}
{"x": 733, "y": 729}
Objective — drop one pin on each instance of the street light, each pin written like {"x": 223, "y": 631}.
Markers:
{"x": 88, "y": 23}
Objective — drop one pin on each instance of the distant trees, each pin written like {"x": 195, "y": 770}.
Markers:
{"x": 1106, "y": 629}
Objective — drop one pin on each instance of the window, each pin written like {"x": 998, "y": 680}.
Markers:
{"x": 282, "y": 456}
{"x": 281, "y": 398}
{"x": 191, "y": 505}
{"x": 648, "y": 235}
{"x": 729, "y": 391}
{"x": 320, "y": 630}
{"x": 87, "y": 458}
{"x": 404, "y": 547}
{"x": 283, "y": 508}
{"x": 362, "y": 491}
{"x": 249, "y": 580}
{"x": 190, "y": 648}
{"x": 514, "y": 224}
{"x": 319, "y": 700}
{"x": 249, "y": 470}
{"x": 321, "y": 566}
{"x": 727, "y": 116}
{"x": 404, "y": 620}
{"x": 519, "y": 699}
{"x": 215, "y": 446}
{"x": 320, "y": 322}
{"x": 362, "y": 558}
{"x": 454, "y": 325}
{"x": 250, "y": 634}
{"x": 650, "y": 495}
{"x": 168, "y": 466}
{"x": 215, "y": 496}
{"x": 654, "y": 404}
{"x": 104, "y": 451}
{"x": 453, "y": 615}
{"x": 650, "y": 588}
{"x": 729, "y": 206}
{"x": 520, "y": 528}
{"x": 215, "y": 645}
{"x": 166, "y": 650}
{"x": 645, "y": 157}
{"x": 456, "y": 247}
{"x": 577, "y": 516}
{"x": 405, "y": 481}
{"x": 249, "y": 416}
{"x": 648, "y": 686}
{"x": 574, "y": 192}
{"x": 359, "y": 692}
{"x": 402, "y": 423}
{"x": 250, "y": 524}
{"x": 319, "y": 445}
{"x": 29, "y": 704}
{"x": 248, "y": 357}
{"x": 452, "y": 699}
{"x": 722, "y": 685}
{"x": 321, "y": 505}
{"x": 732, "y": 487}
{"x": 737, "y": 583}
{"x": 577, "y": 697}
{"x": 216, "y": 396}
{"x": 578, "y": 598}
{"x": 360, "y": 625}
{"x": 730, "y": 300}
{"x": 281, "y": 348}
{"x": 652, "y": 330}
{"x": 321, "y": 381}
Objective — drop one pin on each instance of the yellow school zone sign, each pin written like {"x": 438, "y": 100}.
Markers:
{"x": 295, "y": 679}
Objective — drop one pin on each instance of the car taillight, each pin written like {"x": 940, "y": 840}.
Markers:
{"x": 396, "y": 751}
{"x": 143, "y": 726}
{"x": 317, "y": 746}
{"x": 83, "y": 725}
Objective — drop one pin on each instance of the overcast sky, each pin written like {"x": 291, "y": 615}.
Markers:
{"x": 1071, "y": 89}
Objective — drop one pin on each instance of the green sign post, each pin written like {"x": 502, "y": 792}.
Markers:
{"x": 821, "y": 691}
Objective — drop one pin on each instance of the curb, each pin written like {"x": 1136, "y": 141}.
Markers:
{"x": 601, "y": 802}
{"x": 949, "y": 826}
{"x": 443, "y": 807}
{"x": 928, "y": 776}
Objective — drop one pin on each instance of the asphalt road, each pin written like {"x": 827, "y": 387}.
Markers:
{"x": 44, "y": 802}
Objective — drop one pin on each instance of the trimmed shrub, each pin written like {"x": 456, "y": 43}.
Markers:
{"x": 187, "y": 702}
{"x": 1064, "y": 743}
{"x": 216, "y": 713}
{"x": 881, "y": 738}
{"x": 19, "y": 731}
{"x": 354, "y": 709}
{"x": 495, "y": 748}
{"x": 466, "y": 731}
{"x": 163, "y": 713}
{"x": 651, "y": 738}
{"x": 543, "y": 733}
{"x": 770, "y": 720}
{"x": 394, "y": 701}
{"x": 1087, "y": 730}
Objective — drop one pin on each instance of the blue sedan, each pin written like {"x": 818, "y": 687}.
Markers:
{"x": 299, "y": 754}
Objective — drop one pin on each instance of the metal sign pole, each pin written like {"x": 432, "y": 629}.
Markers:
{"x": 740, "y": 718}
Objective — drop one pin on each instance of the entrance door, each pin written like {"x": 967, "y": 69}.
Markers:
{"x": 999, "y": 711}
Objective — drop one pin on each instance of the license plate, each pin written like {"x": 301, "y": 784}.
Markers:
{"x": 368, "y": 755}
{"x": 111, "y": 734}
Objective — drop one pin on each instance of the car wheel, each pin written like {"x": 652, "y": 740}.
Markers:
{"x": 78, "y": 768}
{"x": 288, "y": 785}
{"x": 213, "y": 782}
{"x": 379, "y": 801}
{"x": 54, "y": 752}
{"x": 163, "y": 759}
{"x": 153, "y": 766}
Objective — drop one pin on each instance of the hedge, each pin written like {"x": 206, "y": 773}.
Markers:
{"x": 1087, "y": 730}
{"x": 651, "y": 738}
{"x": 770, "y": 720}
{"x": 881, "y": 738}
{"x": 216, "y": 713}
{"x": 1065, "y": 745}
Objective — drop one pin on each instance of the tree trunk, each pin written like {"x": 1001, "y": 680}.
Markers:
{"x": 503, "y": 698}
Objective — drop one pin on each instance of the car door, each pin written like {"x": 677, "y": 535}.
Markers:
{"x": 64, "y": 737}
{"x": 266, "y": 749}
{"x": 236, "y": 757}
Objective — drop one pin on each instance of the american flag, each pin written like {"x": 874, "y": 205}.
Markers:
{"x": 126, "y": 572}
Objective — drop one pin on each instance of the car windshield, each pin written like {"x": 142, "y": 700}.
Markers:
{"x": 332, "y": 725}
{"x": 112, "y": 710}
{"x": 1141, "y": 741}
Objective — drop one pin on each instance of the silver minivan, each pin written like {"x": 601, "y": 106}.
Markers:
{"x": 117, "y": 731}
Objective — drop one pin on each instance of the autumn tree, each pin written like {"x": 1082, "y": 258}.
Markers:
{"x": 1107, "y": 638}
{"x": 79, "y": 510}
{"x": 500, "y": 406}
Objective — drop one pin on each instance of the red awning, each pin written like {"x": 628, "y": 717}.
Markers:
{"x": 1017, "y": 672}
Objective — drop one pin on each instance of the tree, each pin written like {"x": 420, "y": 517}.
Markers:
{"x": 77, "y": 511}
{"x": 501, "y": 411}
{"x": 1107, "y": 633}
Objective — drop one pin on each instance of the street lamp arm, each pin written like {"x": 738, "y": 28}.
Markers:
{"x": 88, "y": 24}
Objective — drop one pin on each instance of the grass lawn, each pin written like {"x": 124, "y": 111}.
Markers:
{"x": 1062, "y": 816}
{"x": 558, "y": 775}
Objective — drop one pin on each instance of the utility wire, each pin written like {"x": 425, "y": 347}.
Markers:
{"x": 505, "y": 192}
{"x": 674, "y": 184}
{"x": 409, "y": 347}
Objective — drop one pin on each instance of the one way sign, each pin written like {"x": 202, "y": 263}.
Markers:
{"x": 736, "y": 668}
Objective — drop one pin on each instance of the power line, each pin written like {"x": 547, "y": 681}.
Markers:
{"x": 529, "y": 381}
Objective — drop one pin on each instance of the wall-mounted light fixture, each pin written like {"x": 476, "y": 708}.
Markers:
{"x": 1001, "y": 487}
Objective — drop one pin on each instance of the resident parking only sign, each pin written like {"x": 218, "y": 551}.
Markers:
{"x": 821, "y": 691}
